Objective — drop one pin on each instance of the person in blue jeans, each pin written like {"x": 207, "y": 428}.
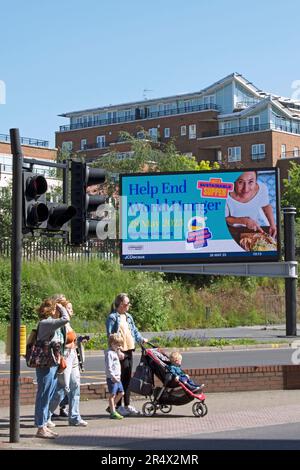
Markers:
{"x": 69, "y": 378}
{"x": 180, "y": 376}
{"x": 53, "y": 317}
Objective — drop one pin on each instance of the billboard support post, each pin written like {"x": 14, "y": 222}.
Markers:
{"x": 290, "y": 283}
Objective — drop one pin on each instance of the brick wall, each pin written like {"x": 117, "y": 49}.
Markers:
{"x": 223, "y": 379}
{"x": 31, "y": 151}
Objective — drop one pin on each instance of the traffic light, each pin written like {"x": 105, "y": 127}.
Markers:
{"x": 37, "y": 212}
{"x": 82, "y": 225}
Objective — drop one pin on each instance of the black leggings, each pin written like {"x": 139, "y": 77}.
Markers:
{"x": 126, "y": 371}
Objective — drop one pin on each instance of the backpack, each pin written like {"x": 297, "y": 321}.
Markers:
{"x": 142, "y": 380}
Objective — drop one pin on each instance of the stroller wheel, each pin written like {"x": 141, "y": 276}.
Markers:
{"x": 205, "y": 409}
{"x": 165, "y": 408}
{"x": 149, "y": 409}
{"x": 199, "y": 409}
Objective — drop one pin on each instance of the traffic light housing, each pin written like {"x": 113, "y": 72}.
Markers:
{"x": 37, "y": 212}
{"x": 82, "y": 225}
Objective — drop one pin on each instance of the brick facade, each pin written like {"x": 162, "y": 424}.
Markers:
{"x": 203, "y": 148}
{"x": 30, "y": 151}
{"x": 224, "y": 379}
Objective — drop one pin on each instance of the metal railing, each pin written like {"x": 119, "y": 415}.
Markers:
{"x": 95, "y": 145}
{"x": 142, "y": 115}
{"x": 258, "y": 156}
{"x": 57, "y": 250}
{"x": 26, "y": 141}
{"x": 290, "y": 154}
{"x": 252, "y": 128}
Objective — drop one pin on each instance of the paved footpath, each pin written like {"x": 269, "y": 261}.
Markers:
{"x": 229, "y": 414}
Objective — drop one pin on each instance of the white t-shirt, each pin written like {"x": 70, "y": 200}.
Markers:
{"x": 252, "y": 208}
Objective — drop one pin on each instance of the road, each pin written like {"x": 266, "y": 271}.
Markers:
{"x": 94, "y": 364}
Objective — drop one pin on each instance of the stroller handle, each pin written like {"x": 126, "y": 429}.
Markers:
{"x": 151, "y": 344}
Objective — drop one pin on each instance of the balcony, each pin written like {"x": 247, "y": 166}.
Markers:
{"x": 141, "y": 115}
{"x": 26, "y": 141}
{"x": 94, "y": 146}
{"x": 252, "y": 128}
{"x": 237, "y": 130}
{"x": 258, "y": 156}
{"x": 290, "y": 154}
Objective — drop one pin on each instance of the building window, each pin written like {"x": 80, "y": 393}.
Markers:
{"x": 182, "y": 130}
{"x": 192, "y": 131}
{"x": 283, "y": 151}
{"x": 167, "y": 132}
{"x": 124, "y": 155}
{"x": 219, "y": 155}
{"x": 67, "y": 146}
{"x": 153, "y": 134}
{"x": 296, "y": 152}
{"x": 100, "y": 141}
{"x": 140, "y": 135}
{"x": 209, "y": 100}
{"x": 226, "y": 127}
{"x": 253, "y": 123}
{"x": 258, "y": 151}
{"x": 234, "y": 154}
{"x": 83, "y": 144}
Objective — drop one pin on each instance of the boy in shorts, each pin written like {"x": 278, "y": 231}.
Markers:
{"x": 113, "y": 374}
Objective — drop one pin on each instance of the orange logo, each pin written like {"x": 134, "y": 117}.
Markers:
{"x": 215, "y": 188}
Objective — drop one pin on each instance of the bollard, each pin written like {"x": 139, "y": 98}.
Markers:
{"x": 23, "y": 341}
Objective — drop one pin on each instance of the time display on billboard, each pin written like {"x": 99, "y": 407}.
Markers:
{"x": 200, "y": 217}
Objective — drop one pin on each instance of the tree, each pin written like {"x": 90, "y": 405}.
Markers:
{"x": 147, "y": 158}
{"x": 5, "y": 211}
{"x": 291, "y": 196}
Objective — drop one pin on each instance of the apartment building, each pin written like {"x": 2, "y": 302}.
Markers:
{"x": 231, "y": 121}
{"x": 31, "y": 148}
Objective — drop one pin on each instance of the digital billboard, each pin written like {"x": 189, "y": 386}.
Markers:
{"x": 199, "y": 217}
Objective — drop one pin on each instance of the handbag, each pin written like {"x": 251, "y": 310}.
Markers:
{"x": 142, "y": 380}
{"x": 42, "y": 353}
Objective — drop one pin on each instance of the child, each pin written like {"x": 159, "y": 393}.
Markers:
{"x": 113, "y": 374}
{"x": 175, "y": 359}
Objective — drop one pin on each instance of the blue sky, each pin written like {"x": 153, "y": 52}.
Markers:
{"x": 64, "y": 55}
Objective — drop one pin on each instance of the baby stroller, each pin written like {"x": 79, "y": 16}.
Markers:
{"x": 154, "y": 362}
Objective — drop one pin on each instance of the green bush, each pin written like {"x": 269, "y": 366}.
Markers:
{"x": 150, "y": 297}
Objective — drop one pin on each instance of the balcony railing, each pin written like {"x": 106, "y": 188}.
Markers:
{"x": 139, "y": 116}
{"x": 237, "y": 130}
{"x": 26, "y": 141}
{"x": 290, "y": 154}
{"x": 252, "y": 128}
{"x": 96, "y": 145}
{"x": 258, "y": 156}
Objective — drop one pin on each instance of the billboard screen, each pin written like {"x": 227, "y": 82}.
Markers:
{"x": 199, "y": 217}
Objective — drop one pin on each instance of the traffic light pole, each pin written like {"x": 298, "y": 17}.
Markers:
{"x": 16, "y": 266}
{"x": 290, "y": 283}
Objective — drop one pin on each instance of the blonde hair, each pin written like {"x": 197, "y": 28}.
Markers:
{"x": 115, "y": 339}
{"x": 46, "y": 308}
{"x": 175, "y": 355}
